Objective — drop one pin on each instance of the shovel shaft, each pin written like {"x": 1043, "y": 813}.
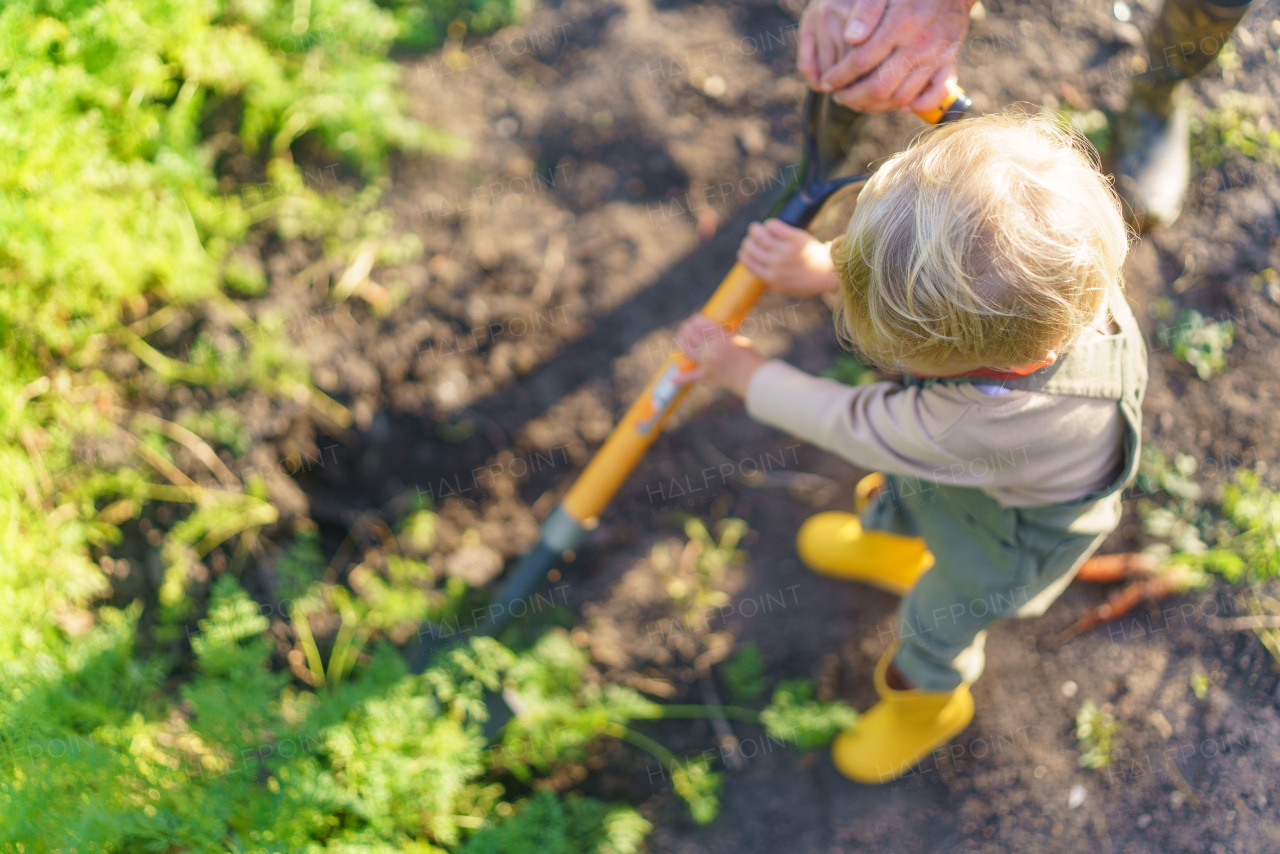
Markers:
{"x": 614, "y": 462}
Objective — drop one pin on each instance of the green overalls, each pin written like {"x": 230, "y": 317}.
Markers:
{"x": 993, "y": 561}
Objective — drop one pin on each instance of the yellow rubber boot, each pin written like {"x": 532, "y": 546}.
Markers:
{"x": 900, "y": 730}
{"x": 868, "y": 488}
{"x": 835, "y": 544}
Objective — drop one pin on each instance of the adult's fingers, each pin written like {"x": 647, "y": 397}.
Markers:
{"x": 912, "y": 85}
{"x": 935, "y": 94}
{"x": 865, "y": 18}
{"x": 857, "y": 61}
{"x": 807, "y": 58}
{"x": 874, "y": 92}
{"x": 810, "y": 33}
{"x": 829, "y": 48}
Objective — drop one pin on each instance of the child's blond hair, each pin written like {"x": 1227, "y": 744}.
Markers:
{"x": 993, "y": 240}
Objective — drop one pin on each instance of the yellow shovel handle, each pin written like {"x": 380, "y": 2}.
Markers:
{"x": 954, "y": 93}
{"x": 614, "y": 462}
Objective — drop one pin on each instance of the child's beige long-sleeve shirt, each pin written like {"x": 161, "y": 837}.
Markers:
{"x": 1023, "y": 448}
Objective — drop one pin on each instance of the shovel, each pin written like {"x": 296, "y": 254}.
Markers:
{"x": 828, "y": 129}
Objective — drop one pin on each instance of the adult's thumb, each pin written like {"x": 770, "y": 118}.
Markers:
{"x": 864, "y": 20}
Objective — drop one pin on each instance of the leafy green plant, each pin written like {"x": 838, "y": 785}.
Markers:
{"x": 218, "y": 515}
{"x": 299, "y": 567}
{"x": 694, "y": 574}
{"x": 224, "y": 428}
{"x": 1096, "y": 731}
{"x": 796, "y": 716}
{"x": 547, "y": 825}
{"x": 694, "y": 581}
{"x": 145, "y": 147}
{"x": 1246, "y": 537}
{"x": 1267, "y": 281}
{"x": 1238, "y": 540}
{"x": 425, "y": 25}
{"x": 745, "y": 673}
{"x": 1202, "y": 344}
{"x": 383, "y": 759}
{"x": 700, "y": 787}
{"x": 1177, "y": 514}
{"x": 1238, "y": 123}
{"x": 121, "y": 229}
{"x": 560, "y": 714}
{"x": 375, "y": 757}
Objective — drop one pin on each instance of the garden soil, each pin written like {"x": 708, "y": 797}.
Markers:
{"x": 614, "y": 154}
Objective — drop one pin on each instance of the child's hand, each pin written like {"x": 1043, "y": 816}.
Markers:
{"x": 790, "y": 260}
{"x": 726, "y": 360}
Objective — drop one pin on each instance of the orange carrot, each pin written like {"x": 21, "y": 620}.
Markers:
{"x": 1102, "y": 569}
{"x": 1125, "y": 600}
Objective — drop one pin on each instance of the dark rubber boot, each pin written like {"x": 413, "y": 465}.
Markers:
{"x": 1153, "y": 164}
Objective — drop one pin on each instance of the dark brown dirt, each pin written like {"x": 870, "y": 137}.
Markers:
{"x": 617, "y": 152}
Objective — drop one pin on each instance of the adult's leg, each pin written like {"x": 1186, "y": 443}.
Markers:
{"x": 1153, "y": 166}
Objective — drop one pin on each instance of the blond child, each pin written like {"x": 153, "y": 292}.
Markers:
{"x": 984, "y": 263}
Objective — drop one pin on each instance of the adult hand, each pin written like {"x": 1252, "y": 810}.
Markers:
{"x": 906, "y": 62}
{"x": 828, "y": 28}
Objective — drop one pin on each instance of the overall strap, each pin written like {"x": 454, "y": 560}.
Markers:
{"x": 1112, "y": 367}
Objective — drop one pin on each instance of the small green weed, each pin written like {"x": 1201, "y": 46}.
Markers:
{"x": 694, "y": 575}
{"x": 795, "y": 715}
{"x": 1177, "y": 516}
{"x": 1246, "y": 536}
{"x": 1238, "y": 539}
{"x": 1267, "y": 282}
{"x": 1202, "y": 344}
{"x": 1240, "y": 123}
{"x": 694, "y": 572}
{"x": 745, "y": 673}
{"x": 1096, "y": 732}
